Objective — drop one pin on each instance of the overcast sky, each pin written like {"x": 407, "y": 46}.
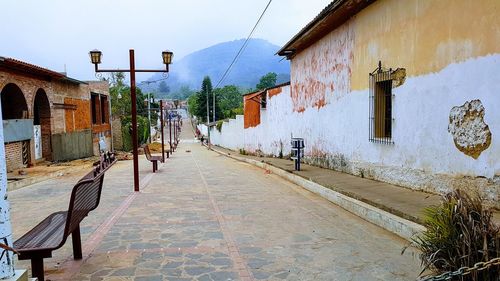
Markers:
{"x": 55, "y": 33}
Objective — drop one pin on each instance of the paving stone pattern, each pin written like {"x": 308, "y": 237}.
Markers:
{"x": 206, "y": 217}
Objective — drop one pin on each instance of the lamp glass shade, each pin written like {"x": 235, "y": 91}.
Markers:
{"x": 167, "y": 57}
{"x": 95, "y": 56}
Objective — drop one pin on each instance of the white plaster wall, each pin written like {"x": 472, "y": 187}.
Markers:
{"x": 320, "y": 107}
{"x": 276, "y": 127}
{"x": 231, "y": 134}
{"x": 203, "y": 129}
{"x": 423, "y": 155}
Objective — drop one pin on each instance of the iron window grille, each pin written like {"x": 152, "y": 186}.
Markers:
{"x": 381, "y": 101}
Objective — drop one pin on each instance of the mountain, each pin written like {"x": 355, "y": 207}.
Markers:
{"x": 257, "y": 59}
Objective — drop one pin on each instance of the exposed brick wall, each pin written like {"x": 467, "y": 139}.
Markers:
{"x": 99, "y": 87}
{"x": 14, "y": 155}
{"x": 117, "y": 134}
{"x": 102, "y": 102}
{"x": 46, "y": 138}
{"x": 61, "y": 120}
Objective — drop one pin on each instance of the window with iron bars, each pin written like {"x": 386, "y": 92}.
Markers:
{"x": 381, "y": 99}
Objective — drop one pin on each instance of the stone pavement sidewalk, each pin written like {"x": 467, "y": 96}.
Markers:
{"x": 206, "y": 217}
{"x": 402, "y": 202}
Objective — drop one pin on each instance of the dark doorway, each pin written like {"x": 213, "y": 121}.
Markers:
{"x": 41, "y": 117}
{"x": 13, "y": 103}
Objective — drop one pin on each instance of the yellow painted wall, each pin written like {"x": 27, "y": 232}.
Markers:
{"x": 423, "y": 36}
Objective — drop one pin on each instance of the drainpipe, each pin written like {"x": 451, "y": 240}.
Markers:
{"x": 6, "y": 259}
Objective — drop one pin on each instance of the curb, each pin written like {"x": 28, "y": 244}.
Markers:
{"x": 402, "y": 227}
{"x": 29, "y": 181}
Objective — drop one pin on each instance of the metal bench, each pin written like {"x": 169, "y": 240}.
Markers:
{"x": 52, "y": 232}
{"x": 152, "y": 159}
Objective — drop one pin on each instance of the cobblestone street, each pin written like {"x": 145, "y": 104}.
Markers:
{"x": 203, "y": 216}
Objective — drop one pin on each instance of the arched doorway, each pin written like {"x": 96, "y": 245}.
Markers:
{"x": 41, "y": 122}
{"x": 17, "y": 133}
{"x": 14, "y": 104}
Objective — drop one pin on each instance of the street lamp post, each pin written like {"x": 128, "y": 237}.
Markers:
{"x": 208, "y": 120}
{"x": 95, "y": 57}
{"x": 170, "y": 131}
{"x": 161, "y": 128}
{"x": 149, "y": 117}
{"x": 175, "y": 134}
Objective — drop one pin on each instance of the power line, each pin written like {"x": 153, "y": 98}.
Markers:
{"x": 242, "y": 47}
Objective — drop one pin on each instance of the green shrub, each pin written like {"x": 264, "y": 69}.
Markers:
{"x": 219, "y": 125}
{"x": 142, "y": 132}
{"x": 460, "y": 232}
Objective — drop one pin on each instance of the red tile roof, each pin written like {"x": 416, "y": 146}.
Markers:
{"x": 332, "y": 16}
{"x": 35, "y": 70}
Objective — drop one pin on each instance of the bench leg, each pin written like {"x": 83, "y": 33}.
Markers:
{"x": 77, "y": 244}
{"x": 154, "y": 166}
{"x": 37, "y": 269}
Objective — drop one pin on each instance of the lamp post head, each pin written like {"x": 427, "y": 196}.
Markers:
{"x": 167, "y": 57}
{"x": 95, "y": 56}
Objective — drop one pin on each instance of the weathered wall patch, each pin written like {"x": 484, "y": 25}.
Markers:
{"x": 470, "y": 133}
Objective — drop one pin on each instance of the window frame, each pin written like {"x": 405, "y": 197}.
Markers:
{"x": 94, "y": 109}
{"x": 104, "y": 107}
{"x": 381, "y": 127}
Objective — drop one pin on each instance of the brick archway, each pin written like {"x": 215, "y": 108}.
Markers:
{"x": 41, "y": 117}
{"x": 14, "y": 104}
{"x": 17, "y": 146}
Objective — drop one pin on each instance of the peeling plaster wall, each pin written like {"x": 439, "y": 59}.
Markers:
{"x": 423, "y": 156}
{"x": 323, "y": 73}
{"x": 470, "y": 133}
{"x": 449, "y": 60}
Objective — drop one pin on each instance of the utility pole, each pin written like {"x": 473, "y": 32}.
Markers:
{"x": 213, "y": 107}
{"x": 208, "y": 117}
{"x": 149, "y": 117}
{"x": 170, "y": 131}
{"x": 162, "y": 131}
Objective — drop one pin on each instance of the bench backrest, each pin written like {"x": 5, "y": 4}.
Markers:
{"x": 147, "y": 152}
{"x": 86, "y": 194}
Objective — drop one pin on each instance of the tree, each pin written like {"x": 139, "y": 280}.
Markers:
{"x": 230, "y": 99}
{"x": 267, "y": 81}
{"x": 192, "y": 103}
{"x": 200, "y": 110}
{"x": 121, "y": 101}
